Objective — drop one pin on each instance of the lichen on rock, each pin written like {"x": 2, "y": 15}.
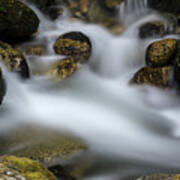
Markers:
{"x": 159, "y": 77}
{"x": 14, "y": 60}
{"x": 161, "y": 53}
{"x": 74, "y": 44}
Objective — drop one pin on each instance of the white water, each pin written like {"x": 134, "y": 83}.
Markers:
{"x": 118, "y": 121}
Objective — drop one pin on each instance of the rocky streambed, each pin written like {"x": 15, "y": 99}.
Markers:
{"x": 32, "y": 151}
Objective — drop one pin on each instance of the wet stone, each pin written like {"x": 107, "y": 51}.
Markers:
{"x": 63, "y": 69}
{"x": 2, "y": 87}
{"x": 14, "y": 60}
{"x": 74, "y": 44}
{"x": 159, "y": 77}
{"x": 152, "y": 29}
{"x": 37, "y": 50}
{"x": 161, "y": 53}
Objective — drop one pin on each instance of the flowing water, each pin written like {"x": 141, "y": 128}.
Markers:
{"x": 135, "y": 128}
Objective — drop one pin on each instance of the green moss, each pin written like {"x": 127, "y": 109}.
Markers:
{"x": 27, "y": 168}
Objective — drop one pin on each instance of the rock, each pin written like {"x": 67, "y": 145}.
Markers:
{"x": 14, "y": 60}
{"x": 165, "y": 6}
{"x": 152, "y": 29}
{"x": 94, "y": 11}
{"x": 36, "y": 50}
{"x": 61, "y": 173}
{"x": 2, "y": 87}
{"x": 161, "y": 53}
{"x": 177, "y": 67}
{"x": 159, "y": 77}
{"x": 49, "y": 7}
{"x": 46, "y": 145}
{"x": 113, "y": 3}
{"x": 161, "y": 177}
{"x": 17, "y": 21}
{"x": 63, "y": 69}
{"x": 74, "y": 44}
{"x": 15, "y": 168}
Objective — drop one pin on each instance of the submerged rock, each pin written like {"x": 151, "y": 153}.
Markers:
{"x": 14, "y": 60}
{"x": 36, "y": 50}
{"x": 63, "y": 69}
{"x": 14, "y": 168}
{"x": 74, "y": 44}
{"x": 161, "y": 177}
{"x": 17, "y": 21}
{"x": 2, "y": 87}
{"x": 159, "y": 77}
{"x": 161, "y": 53}
{"x": 152, "y": 29}
{"x": 48, "y": 146}
{"x": 95, "y": 11}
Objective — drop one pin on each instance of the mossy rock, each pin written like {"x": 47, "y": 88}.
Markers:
{"x": 74, "y": 44}
{"x": 2, "y": 87}
{"x": 16, "y": 168}
{"x": 48, "y": 146}
{"x": 161, "y": 177}
{"x": 161, "y": 53}
{"x": 63, "y": 69}
{"x": 152, "y": 29}
{"x": 159, "y": 77}
{"x": 14, "y": 60}
{"x": 113, "y": 3}
{"x": 17, "y": 21}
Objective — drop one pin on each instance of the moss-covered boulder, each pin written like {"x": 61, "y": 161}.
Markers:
{"x": 14, "y": 60}
{"x": 63, "y": 69}
{"x": 152, "y": 29}
{"x": 161, "y": 53}
{"x": 161, "y": 177}
{"x": 14, "y": 168}
{"x": 2, "y": 87}
{"x": 74, "y": 44}
{"x": 17, "y": 21}
{"x": 159, "y": 77}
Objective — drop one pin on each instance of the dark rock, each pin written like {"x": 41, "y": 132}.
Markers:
{"x": 152, "y": 29}
{"x": 61, "y": 173}
{"x": 159, "y": 77}
{"x": 17, "y": 21}
{"x": 2, "y": 87}
{"x": 161, "y": 53}
{"x": 74, "y": 44}
{"x": 14, "y": 60}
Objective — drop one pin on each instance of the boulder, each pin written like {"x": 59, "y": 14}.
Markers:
{"x": 15, "y": 168}
{"x": 159, "y": 77}
{"x": 63, "y": 69}
{"x": 161, "y": 53}
{"x": 17, "y": 21}
{"x": 74, "y": 44}
{"x": 14, "y": 60}
{"x": 152, "y": 29}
